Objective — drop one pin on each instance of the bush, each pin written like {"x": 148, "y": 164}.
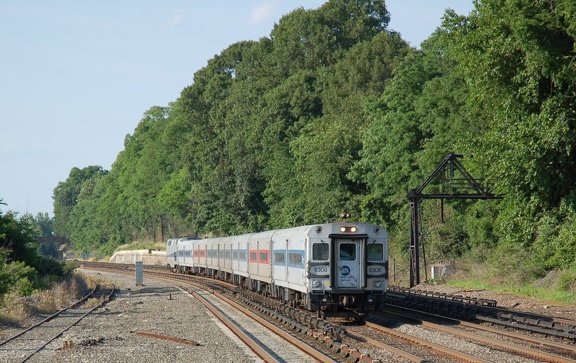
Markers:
{"x": 16, "y": 307}
{"x": 17, "y": 277}
{"x": 567, "y": 280}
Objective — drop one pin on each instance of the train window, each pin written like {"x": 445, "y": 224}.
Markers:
{"x": 295, "y": 258}
{"x": 242, "y": 255}
{"x": 320, "y": 251}
{"x": 264, "y": 256}
{"x": 253, "y": 256}
{"x": 280, "y": 257}
{"x": 347, "y": 252}
{"x": 375, "y": 252}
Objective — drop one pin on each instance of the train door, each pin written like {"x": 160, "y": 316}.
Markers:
{"x": 348, "y": 257}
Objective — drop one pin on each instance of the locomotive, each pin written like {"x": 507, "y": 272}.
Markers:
{"x": 334, "y": 269}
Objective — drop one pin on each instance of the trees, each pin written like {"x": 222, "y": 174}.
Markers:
{"x": 66, "y": 196}
{"x": 333, "y": 113}
{"x": 322, "y": 110}
{"x": 21, "y": 267}
{"x": 518, "y": 57}
{"x": 420, "y": 116}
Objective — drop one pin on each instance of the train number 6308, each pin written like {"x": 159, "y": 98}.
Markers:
{"x": 376, "y": 270}
{"x": 319, "y": 270}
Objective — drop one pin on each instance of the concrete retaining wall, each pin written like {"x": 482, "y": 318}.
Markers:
{"x": 148, "y": 257}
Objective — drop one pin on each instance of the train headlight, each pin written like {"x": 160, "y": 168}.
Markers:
{"x": 316, "y": 284}
{"x": 377, "y": 283}
{"x": 352, "y": 229}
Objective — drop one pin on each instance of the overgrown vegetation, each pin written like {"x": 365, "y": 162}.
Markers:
{"x": 333, "y": 112}
{"x": 557, "y": 286}
{"x": 30, "y": 283}
{"x": 16, "y": 307}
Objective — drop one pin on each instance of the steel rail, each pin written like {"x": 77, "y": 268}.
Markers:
{"x": 509, "y": 347}
{"x": 441, "y": 349}
{"x": 258, "y": 350}
{"x": 71, "y": 306}
{"x": 321, "y": 357}
{"x": 389, "y": 348}
{"x": 473, "y": 309}
{"x": 69, "y": 326}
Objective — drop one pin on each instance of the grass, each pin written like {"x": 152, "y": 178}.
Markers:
{"x": 15, "y": 309}
{"x": 557, "y": 286}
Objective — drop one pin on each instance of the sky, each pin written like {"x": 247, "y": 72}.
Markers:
{"x": 76, "y": 77}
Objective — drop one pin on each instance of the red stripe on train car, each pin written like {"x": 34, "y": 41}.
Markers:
{"x": 200, "y": 253}
{"x": 259, "y": 256}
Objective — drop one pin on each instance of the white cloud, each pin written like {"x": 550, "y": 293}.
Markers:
{"x": 176, "y": 18}
{"x": 263, "y": 11}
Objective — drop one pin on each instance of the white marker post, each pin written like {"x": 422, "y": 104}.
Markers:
{"x": 139, "y": 273}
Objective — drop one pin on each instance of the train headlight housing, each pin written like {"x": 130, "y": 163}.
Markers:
{"x": 351, "y": 229}
{"x": 316, "y": 284}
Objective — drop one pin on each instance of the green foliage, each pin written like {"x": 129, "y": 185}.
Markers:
{"x": 334, "y": 113}
{"x": 567, "y": 280}
{"x": 555, "y": 241}
{"x": 43, "y": 223}
{"x": 17, "y": 237}
{"x": 419, "y": 118}
{"x": 16, "y": 276}
{"x": 22, "y": 269}
{"x": 522, "y": 69}
{"x": 66, "y": 196}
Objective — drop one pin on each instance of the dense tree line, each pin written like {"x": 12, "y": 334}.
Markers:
{"x": 23, "y": 267}
{"x": 333, "y": 112}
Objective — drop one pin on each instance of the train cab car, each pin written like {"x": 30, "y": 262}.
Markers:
{"x": 171, "y": 253}
{"x": 347, "y": 270}
{"x": 179, "y": 254}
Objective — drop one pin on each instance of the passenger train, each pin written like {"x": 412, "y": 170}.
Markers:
{"x": 334, "y": 269}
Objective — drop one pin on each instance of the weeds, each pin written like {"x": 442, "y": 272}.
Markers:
{"x": 557, "y": 286}
{"x": 15, "y": 308}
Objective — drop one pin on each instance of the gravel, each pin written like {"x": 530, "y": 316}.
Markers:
{"x": 120, "y": 332}
{"x": 110, "y": 334}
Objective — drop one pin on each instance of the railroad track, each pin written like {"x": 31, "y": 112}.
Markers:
{"x": 481, "y": 310}
{"x": 28, "y": 343}
{"x": 268, "y": 340}
{"x": 351, "y": 341}
{"x": 520, "y": 345}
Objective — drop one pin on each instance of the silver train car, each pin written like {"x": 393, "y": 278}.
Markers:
{"x": 334, "y": 269}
